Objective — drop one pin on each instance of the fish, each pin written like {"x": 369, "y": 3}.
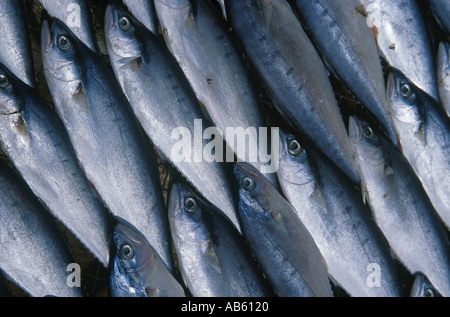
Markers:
{"x": 424, "y": 138}
{"x": 342, "y": 226}
{"x": 443, "y": 63}
{"x": 144, "y": 11}
{"x": 214, "y": 67}
{"x": 441, "y": 11}
{"x": 76, "y": 15}
{"x": 281, "y": 243}
{"x": 400, "y": 206}
{"x": 403, "y": 39}
{"x": 212, "y": 255}
{"x": 288, "y": 66}
{"x": 36, "y": 142}
{"x": 33, "y": 253}
{"x": 166, "y": 106}
{"x": 422, "y": 287}
{"x": 346, "y": 42}
{"x": 136, "y": 269}
{"x": 112, "y": 150}
{"x": 15, "y": 42}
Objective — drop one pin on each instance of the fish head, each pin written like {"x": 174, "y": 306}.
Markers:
{"x": 422, "y": 287}
{"x": 59, "y": 54}
{"x": 10, "y": 100}
{"x": 122, "y": 37}
{"x": 366, "y": 144}
{"x": 186, "y": 215}
{"x": 294, "y": 166}
{"x": 133, "y": 261}
{"x": 403, "y": 99}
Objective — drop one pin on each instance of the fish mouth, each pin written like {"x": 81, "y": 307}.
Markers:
{"x": 47, "y": 34}
{"x": 392, "y": 87}
{"x": 354, "y": 128}
{"x": 112, "y": 17}
{"x": 128, "y": 231}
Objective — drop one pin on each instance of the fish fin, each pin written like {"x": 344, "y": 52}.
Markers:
{"x": 132, "y": 63}
{"x": 267, "y": 11}
{"x": 21, "y": 127}
{"x": 211, "y": 257}
{"x": 420, "y": 134}
{"x": 152, "y": 292}
{"x": 387, "y": 170}
{"x": 80, "y": 96}
{"x": 318, "y": 199}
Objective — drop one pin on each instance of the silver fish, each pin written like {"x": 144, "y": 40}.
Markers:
{"x": 213, "y": 258}
{"x": 422, "y": 287}
{"x": 76, "y": 15}
{"x": 107, "y": 139}
{"x": 136, "y": 268}
{"x": 401, "y": 207}
{"x": 144, "y": 12}
{"x": 165, "y": 105}
{"x": 36, "y": 142}
{"x": 443, "y": 72}
{"x": 281, "y": 243}
{"x": 402, "y": 36}
{"x": 441, "y": 10}
{"x": 424, "y": 137}
{"x": 15, "y": 43}
{"x": 291, "y": 70}
{"x": 347, "y": 44}
{"x": 214, "y": 67}
{"x": 341, "y": 225}
{"x": 32, "y": 251}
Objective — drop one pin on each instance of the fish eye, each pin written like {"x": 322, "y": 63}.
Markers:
{"x": 124, "y": 23}
{"x": 294, "y": 147}
{"x": 248, "y": 183}
{"x": 429, "y": 293}
{"x": 4, "y": 81}
{"x": 190, "y": 205}
{"x": 368, "y": 133}
{"x": 405, "y": 90}
{"x": 126, "y": 252}
{"x": 64, "y": 43}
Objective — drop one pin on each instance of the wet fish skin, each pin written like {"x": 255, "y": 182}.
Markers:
{"x": 422, "y": 287}
{"x": 108, "y": 141}
{"x": 400, "y": 206}
{"x": 281, "y": 243}
{"x": 341, "y": 225}
{"x": 443, "y": 62}
{"x": 75, "y": 14}
{"x": 136, "y": 269}
{"x": 215, "y": 69}
{"x": 32, "y": 251}
{"x": 290, "y": 68}
{"x": 403, "y": 40}
{"x": 144, "y": 11}
{"x": 164, "y": 102}
{"x": 212, "y": 255}
{"x": 15, "y": 44}
{"x": 441, "y": 10}
{"x": 424, "y": 138}
{"x": 347, "y": 44}
{"x": 35, "y": 141}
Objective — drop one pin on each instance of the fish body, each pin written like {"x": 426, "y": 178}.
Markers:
{"x": 443, "y": 72}
{"x": 403, "y": 40}
{"x": 346, "y": 42}
{"x": 341, "y": 225}
{"x": 33, "y": 253}
{"x": 441, "y": 10}
{"x": 144, "y": 11}
{"x": 401, "y": 207}
{"x": 292, "y": 72}
{"x": 166, "y": 106}
{"x": 136, "y": 269}
{"x": 424, "y": 138}
{"x": 110, "y": 145}
{"x": 281, "y": 243}
{"x": 213, "y": 258}
{"x": 36, "y": 142}
{"x": 76, "y": 15}
{"x": 200, "y": 42}
{"x": 15, "y": 43}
